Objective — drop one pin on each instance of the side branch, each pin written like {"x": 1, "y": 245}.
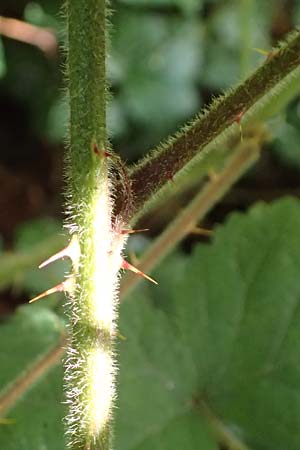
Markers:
{"x": 245, "y": 155}
{"x": 222, "y": 118}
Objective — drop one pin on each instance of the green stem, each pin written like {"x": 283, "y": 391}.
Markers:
{"x": 210, "y": 129}
{"x": 32, "y": 375}
{"x": 90, "y": 367}
{"x": 245, "y": 156}
{"x": 220, "y": 430}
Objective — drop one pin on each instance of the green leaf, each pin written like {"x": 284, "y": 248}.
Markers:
{"x": 158, "y": 64}
{"x": 35, "y": 412}
{"x": 226, "y": 348}
{"x": 211, "y": 355}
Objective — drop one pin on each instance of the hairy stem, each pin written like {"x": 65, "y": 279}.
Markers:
{"x": 245, "y": 155}
{"x": 90, "y": 367}
{"x": 222, "y": 119}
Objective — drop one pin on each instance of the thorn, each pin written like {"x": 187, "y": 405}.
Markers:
{"x": 103, "y": 152}
{"x": 106, "y": 154}
{"x": 121, "y": 336}
{"x": 96, "y": 149}
{"x": 72, "y": 251}
{"x": 134, "y": 231}
{"x": 65, "y": 286}
{"x": 238, "y": 119}
{"x": 61, "y": 254}
{"x": 241, "y": 132}
{"x": 58, "y": 288}
{"x": 261, "y": 51}
{"x": 201, "y": 231}
{"x": 127, "y": 266}
{"x": 266, "y": 53}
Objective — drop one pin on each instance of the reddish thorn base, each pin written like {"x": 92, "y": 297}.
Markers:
{"x": 96, "y": 149}
{"x": 127, "y": 266}
{"x": 239, "y": 117}
{"x": 106, "y": 154}
{"x": 103, "y": 152}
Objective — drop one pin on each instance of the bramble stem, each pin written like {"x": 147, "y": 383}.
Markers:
{"x": 221, "y": 119}
{"x": 246, "y": 154}
{"x": 90, "y": 367}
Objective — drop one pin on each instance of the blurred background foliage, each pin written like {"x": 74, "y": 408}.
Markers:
{"x": 168, "y": 58}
